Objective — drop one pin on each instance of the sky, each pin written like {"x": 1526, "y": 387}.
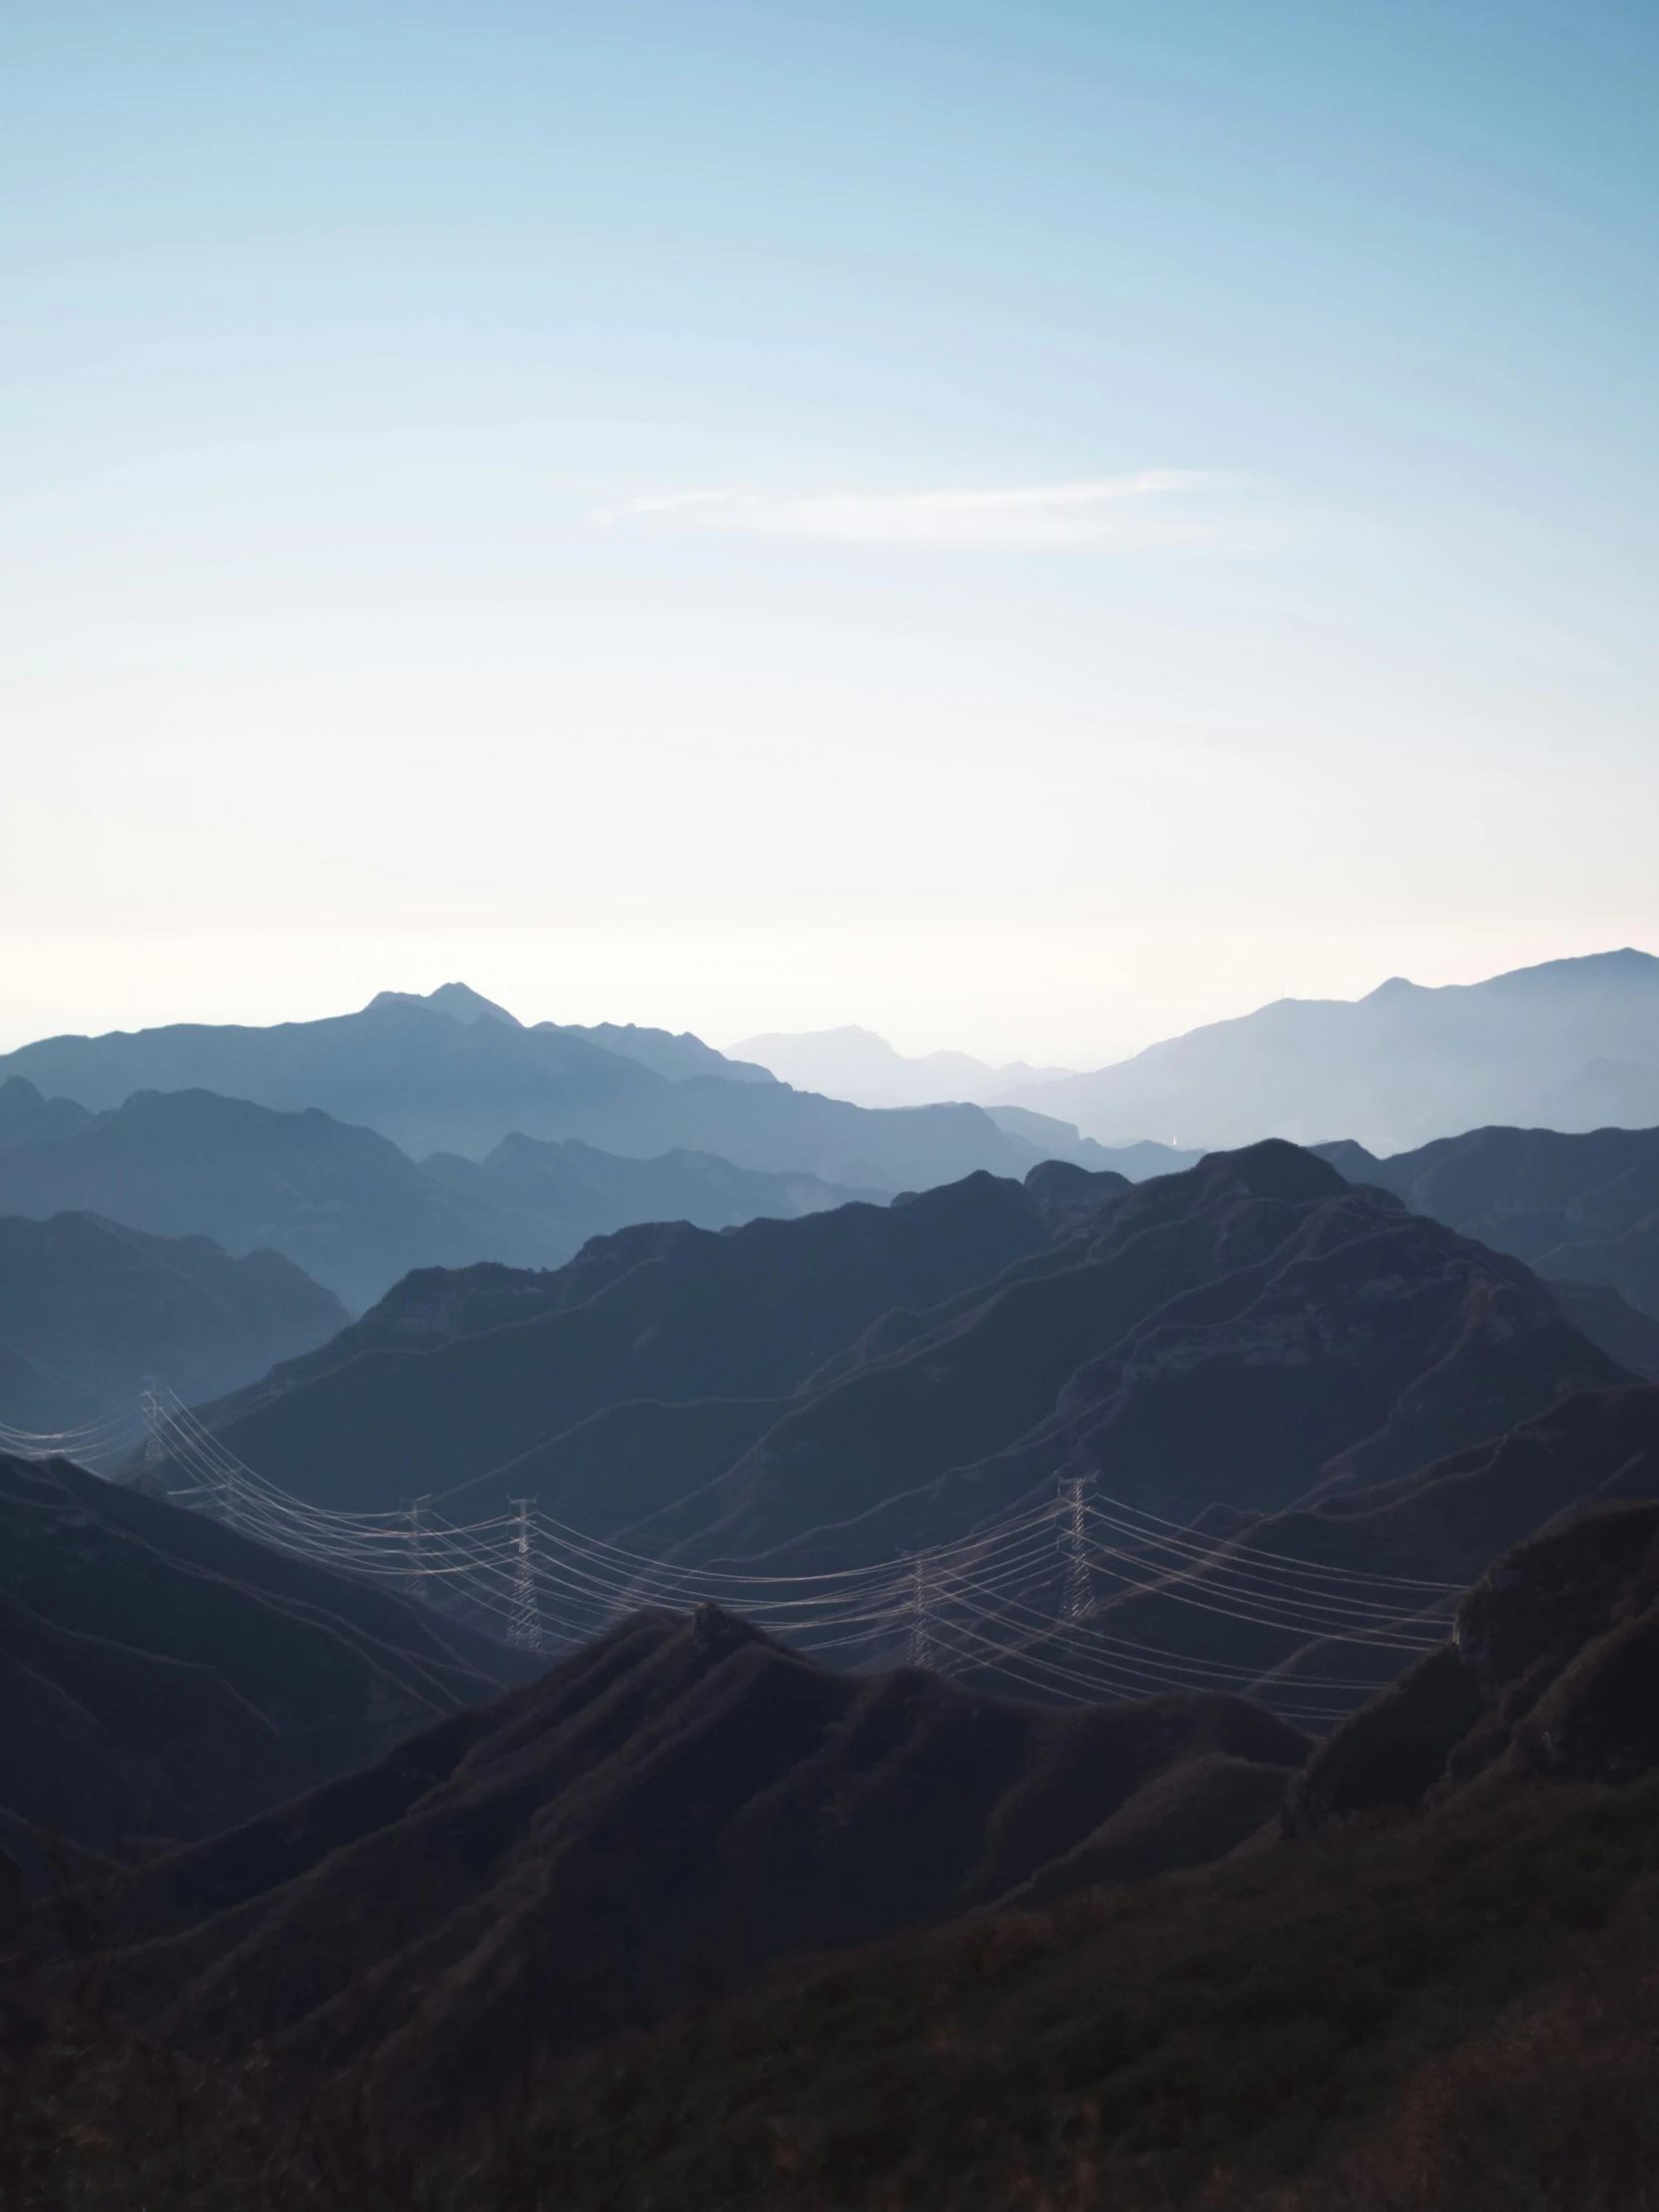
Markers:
{"x": 1026, "y": 527}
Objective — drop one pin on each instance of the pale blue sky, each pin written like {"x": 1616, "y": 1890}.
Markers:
{"x": 1026, "y": 526}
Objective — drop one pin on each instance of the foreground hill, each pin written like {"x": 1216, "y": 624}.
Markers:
{"x": 1387, "y": 2010}
{"x": 1573, "y": 1043}
{"x": 666, "y": 1810}
{"x": 165, "y": 1678}
{"x": 1583, "y": 1209}
{"x": 108, "y": 1309}
{"x": 454, "y": 1074}
{"x": 352, "y": 1210}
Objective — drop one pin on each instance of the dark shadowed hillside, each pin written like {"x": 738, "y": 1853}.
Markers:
{"x": 1245, "y": 1335}
{"x": 664, "y": 1812}
{"x": 453, "y": 1074}
{"x": 1454, "y": 2014}
{"x": 661, "y": 1311}
{"x": 1553, "y": 1670}
{"x": 109, "y": 1309}
{"x": 165, "y": 1679}
{"x": 1581, "y": 1208}
{"x": 1252, "y": 1338}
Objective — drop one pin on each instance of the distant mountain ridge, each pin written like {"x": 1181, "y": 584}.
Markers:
{"x": 347, "y": 1205}
{"x": 1573, "y": 1042}
{"x": 109, "y": 1309}
{"x": 453, "y": 1073}
{"x": 858, "y": 1064}
{"x": 1581, "y": 1208}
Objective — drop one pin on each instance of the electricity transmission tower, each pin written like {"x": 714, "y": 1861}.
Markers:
{"x": 416, "y": 1582}
{"x": 1076, "y": 1590}
{"x": 919, "y": 1652}
{"x": 524, "y": 1613}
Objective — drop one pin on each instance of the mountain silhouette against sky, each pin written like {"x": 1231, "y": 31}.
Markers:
{"x": 858, "y": 1064}
{"x": 1573, "y": 1045}
{"x": 453, "y": 1073}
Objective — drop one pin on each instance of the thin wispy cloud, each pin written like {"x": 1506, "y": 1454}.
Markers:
{"x": 1146, "y": 508}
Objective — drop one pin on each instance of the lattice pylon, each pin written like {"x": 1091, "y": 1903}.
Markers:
{"x": 153, "y": 1446}
{"x": 919, "y": 1652}
{"x": 1076, "y": 1588}
{"x": 524, "y": 1614}
{"x": 415, "y": 1585}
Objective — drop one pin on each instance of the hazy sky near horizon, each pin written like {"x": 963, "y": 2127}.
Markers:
{"x": 1026, "y": 526}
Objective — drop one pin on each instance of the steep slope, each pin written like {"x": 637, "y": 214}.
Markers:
{"x": 165, "y": 1678}
{"x": 1582, "y": 1208}
{"x": 662, "y": 1311}
{"x": 1396, "y": 1068}
{"x": 453, "y": 1074}
{"x": 675, "y": 1805}
{"x": 1352, "y": 1550}
{"x": 109, "y": 1308}
{"x": 1247, "y": 1335}
{"x": 1453, "y": 2016}
{"x": 1552, "y": 1669}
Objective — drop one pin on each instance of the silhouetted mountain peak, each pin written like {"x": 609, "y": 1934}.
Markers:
{"x": 458, "y": 1000}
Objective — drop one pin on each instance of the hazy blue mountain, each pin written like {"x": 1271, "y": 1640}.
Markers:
{"x": 1581, "y": 1208}
{"x": 36, "y": 1402}
{"x": 1060, "y": 1140}
{"x": 855, "y": 1063}
{"x": 342, "y": 1203}
{"x": 352, "y": 1210}
{"x": 24, "y": 1114}
{"x": 1394, "y": 1069}
{"x": 675, "y": 1055}
{"x": 453, "y": 1073}
{"x": 578, "y": 1192}
{"x": 106, "y": 1308}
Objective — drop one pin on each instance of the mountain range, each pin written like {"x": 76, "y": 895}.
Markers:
{"x": 858, "y": 1064}
{"x": 346, "y": 1204}
{"x": 1253, "y": 1345}
{"x": 667, "y": 1810}
{"x": 96, "y": 1312}
{"x": 166, "y": 1679}
{"x": 690, "y": 1920}
{"x": 1581, "y": 1208}
{"x": 453, "y": 1073}
{"x": 1573, "y": 1045}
